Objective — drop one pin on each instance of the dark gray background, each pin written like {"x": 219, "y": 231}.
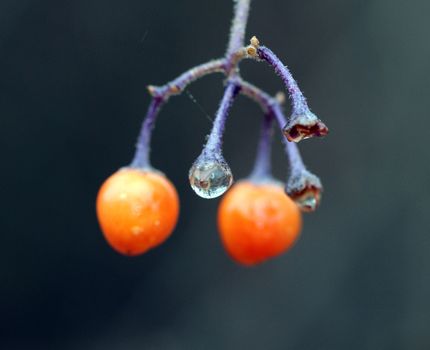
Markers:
{"x": 72, "y": 97}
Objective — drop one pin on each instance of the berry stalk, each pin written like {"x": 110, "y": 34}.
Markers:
{"x": 162, "y": 93}
{"x": 178, "y": 85}
{"x": 303, "y": 123}
{"x": 263, "y": 165}
{"x": 299, "y": 103}
{"x": 270, "y": 105}
{"x": 302, "y": 186}
{"x": 141, "y": 156}
{"x": 214, "y": 144}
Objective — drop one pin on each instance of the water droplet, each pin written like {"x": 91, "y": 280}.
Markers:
{"x": 305, "y": 189}
{"x": 210, "y": 179}
{"x": 136, "y": 230}
{"x": 308, "y": 201}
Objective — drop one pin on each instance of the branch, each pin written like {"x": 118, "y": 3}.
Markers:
{"x": 303, "y": 187}
{"x": 271, "y": 105}
{"x": 177, "y": 85}
{"x": 299, "y": 103}
{"x": 303, "y": 123}
{"x": 210, "y": 176}
{"x": 141, "y": 156}
{"x": 238, "y": 26}
{"x": 161, "y": 94}
{"x": 263, "y": 164}
{"x": 213, "y": 146}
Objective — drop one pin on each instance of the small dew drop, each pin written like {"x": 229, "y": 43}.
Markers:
{"x": 136, "y": 230}
{"x": 308, "y": 201}
{"x": 210, "y": 179}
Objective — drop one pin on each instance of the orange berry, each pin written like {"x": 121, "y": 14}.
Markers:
{"x": 137, "y": 210}
{"x": 257, "y": 222}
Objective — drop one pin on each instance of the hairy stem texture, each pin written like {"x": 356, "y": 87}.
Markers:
{"x": 298, "y": 100}
{"x": 141, "y": 157}
{"x": 238, "y": 27}
{"x": 262, "y": 166}
{"x": 214, "y": 144}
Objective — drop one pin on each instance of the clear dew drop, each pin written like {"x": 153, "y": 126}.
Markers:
{"x": 210, "y": 179}
{"x": 308, "y": 201}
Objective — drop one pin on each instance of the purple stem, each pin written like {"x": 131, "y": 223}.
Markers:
{"x": 161, "y": 95}
{"x": 263, "y": 165}
{"x": 177, "y": 85}
{"x": 270, "y": 104}
{"x": 214, "y": 144}
{"x": 238, "y": 26}
{"x": 296, "y": 162}
{"x": 141, "y": 156}
{"x": 298, "y": 100}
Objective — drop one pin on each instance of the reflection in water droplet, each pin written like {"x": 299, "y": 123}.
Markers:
{"x": 210, "y": 179}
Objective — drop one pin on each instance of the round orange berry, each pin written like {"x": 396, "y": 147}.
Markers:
{"x": 137, "y": 210}
{"x": 257, "y": 222}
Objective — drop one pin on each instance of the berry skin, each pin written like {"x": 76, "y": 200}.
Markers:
{"x": 137, "y": 210}
{"x": 257, "y": 222}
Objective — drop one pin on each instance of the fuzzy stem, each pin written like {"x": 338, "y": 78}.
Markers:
{"x": 254, "y": 93}
{"x": 214, "y": 144}
{"x": 298, "y": 100}
{"x": 263, "y": 165}
{"x": 162, "y": 93}
{"x": 177, "y": 85}
{"x": 270, "y": 104}
{"x": 141, "y": 156}
{"x": 296, "y": 162}
{"x": 238, "y": 26}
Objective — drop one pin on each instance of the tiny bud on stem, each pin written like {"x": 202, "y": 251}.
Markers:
{"x": 255, "y": 42}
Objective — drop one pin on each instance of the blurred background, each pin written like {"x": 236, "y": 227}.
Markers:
{"x": 73, "y": 78}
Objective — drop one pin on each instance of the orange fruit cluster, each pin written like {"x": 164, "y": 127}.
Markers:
{"x": 138, "y": 210}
